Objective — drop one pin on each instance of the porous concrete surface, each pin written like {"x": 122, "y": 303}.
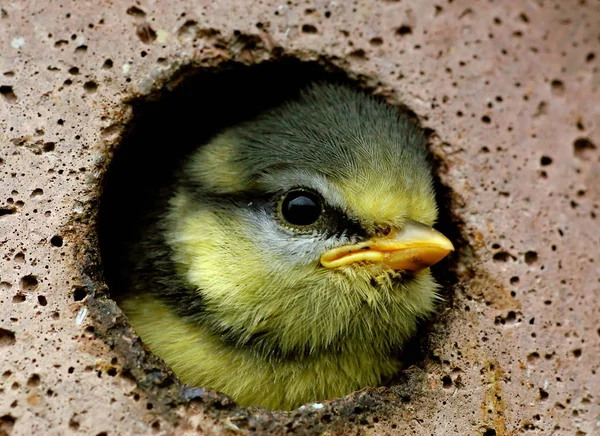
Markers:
{"x": 509, "y": 92}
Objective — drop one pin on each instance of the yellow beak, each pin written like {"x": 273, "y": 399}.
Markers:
{"x": 412, "y": 248}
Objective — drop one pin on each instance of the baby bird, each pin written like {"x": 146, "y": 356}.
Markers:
{"x": 292, "y": 261}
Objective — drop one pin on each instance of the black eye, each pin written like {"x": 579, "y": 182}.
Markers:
{"x": 301, "y": 208}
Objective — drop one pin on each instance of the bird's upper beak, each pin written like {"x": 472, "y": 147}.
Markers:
{"x": 412, "y": 248}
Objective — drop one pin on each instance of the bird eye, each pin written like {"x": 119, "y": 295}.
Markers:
{"x": 301, "y": 208}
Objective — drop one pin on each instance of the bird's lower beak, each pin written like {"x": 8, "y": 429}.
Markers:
{"x": 412, "y": 248}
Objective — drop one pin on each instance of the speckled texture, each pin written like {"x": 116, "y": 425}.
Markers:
{"x": 509, "y": 91}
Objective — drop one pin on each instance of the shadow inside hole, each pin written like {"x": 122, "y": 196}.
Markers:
{"x": 168, "y": 125}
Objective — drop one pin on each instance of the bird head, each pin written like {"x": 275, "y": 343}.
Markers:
{"x": 309, "y": 227}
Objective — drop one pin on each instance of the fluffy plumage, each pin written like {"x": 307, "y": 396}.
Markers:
{"x": 235, "y": 298}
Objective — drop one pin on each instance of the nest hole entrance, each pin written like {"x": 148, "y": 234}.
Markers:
{"x": 171, "y": 123}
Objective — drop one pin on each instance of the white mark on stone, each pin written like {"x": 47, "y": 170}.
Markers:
{"x": 162, "y": 36}
{"x": 126, "y": 68}
{"x": 317, "y": 406}
{"x": 78, "y": 208}
{"x": 17, "y": 42}
{"x": 81, "y": 316}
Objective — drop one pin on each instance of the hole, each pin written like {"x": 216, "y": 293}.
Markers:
{"x": 533, "y": 357}
{"x": 360, "y": 54}
{"x": 73, "y": 423}
{"x": 42, "y": 300}
{"x": 145, "y": 33}
{"x": 376, "y": 42}
{"x": 139, "y": 170}
{"x": 108, "y": 64}
{"x": 136, "y": 12}
{"x": 582, "y": 147}
{"x": 447, "y": 382}
{"x": 543, "y": 395}
{"x": 7, "y": 211}
{"x": 19, "y": 298}
{"x": 8, "y": 94}
{"x": 309, "y": 28}
{"x": 36, "y": 193}
{"x": 545, "y": 161}
{"x": 56, "y": 241}
{"x": 530, "y": 257}
{"x": 33, "y": 381}
{"x": 577, "y": 352}
{"x": 558, "y": 87}
{"x": 502, "y": 256}
{"x": 404, "y": 30}
{"x": 74, "y": 71}
{"x": 79, "y": 294}
{"x": 29, "y": 283}
{"x": 7, "y": 422}
{"x": 7, "y": 337}
{"x": 90, "y": 87}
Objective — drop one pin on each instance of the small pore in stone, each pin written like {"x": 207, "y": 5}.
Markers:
{"x": 309, "y": 28}
{"x": 136, "y": 12}
{"x": 376, "y": 42}
{"x": 447, "y": 382}
{"x": 359, "y": 54}
{"x": 7, "y": 210}
{"x": 19, "y": 297}
{"x": 29, "y": 282}
{"x": 79, "y": 293}
{"x": 404, "y": 30}
{"x": 530, "y": 257}
{"x": 7, "y": 337}
{"x": 145, "y": 33}
{"x": 582, "y": 147}
{"x": 558, "y": 87}
{"x": 8, "y": 94}
{"x": 90, "y": 87}
{"x": 36, "y": 192}
{"x": 502, "y": 256}
{"x": 33, "y": 381}
{"x": 56, "y": 241}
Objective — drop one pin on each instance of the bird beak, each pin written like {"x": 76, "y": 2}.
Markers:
{"x": 412, "y": 248}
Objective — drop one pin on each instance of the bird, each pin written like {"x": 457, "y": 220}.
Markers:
{"x": 291, "y": 259}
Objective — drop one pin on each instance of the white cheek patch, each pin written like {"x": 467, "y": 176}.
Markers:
{"x": 286, "y": 247}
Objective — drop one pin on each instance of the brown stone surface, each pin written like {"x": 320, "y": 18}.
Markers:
{"x": 510, "y": 91}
